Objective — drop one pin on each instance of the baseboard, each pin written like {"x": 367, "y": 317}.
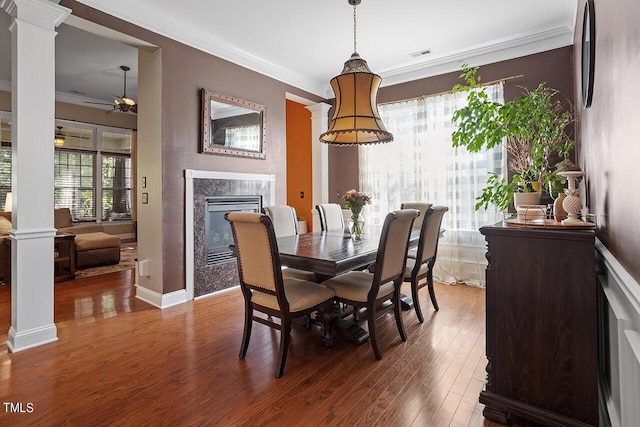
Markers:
{"x": 18, "y": 341}
{"x": 619, "y": 340}
{"x": 161, "y": 300}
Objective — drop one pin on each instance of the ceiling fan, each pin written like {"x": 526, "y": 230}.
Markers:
{"x": 122, "y": 103}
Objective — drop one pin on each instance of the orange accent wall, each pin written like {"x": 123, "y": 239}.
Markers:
{"x": 299, "y": 160}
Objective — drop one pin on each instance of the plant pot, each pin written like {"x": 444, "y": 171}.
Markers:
{"x": 526, "y": 199}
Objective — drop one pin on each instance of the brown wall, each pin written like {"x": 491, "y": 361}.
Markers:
{"x": 608, "y": 130}
{"x": 554, "y": 67}
{"x": 185, "y": 71}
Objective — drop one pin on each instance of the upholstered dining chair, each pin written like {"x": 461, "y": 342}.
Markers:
{"x": 417, "y": 224}
{"x": 265, "y": 289}
{"x": 330, "y": 216}
{"x": 285, "y": 223}
{"x": 363, "y": 289}
{"x": 421, "y": 267}
{"x": 284, "y": 219}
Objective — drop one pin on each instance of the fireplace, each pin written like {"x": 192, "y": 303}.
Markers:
{"x": 209, "y": 264}
{"x": 218, "y": 234}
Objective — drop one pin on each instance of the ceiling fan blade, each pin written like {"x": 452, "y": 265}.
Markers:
{"x": 97, "y": 103}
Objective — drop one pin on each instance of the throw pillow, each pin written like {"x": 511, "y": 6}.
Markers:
{"x": 62, "y": 218}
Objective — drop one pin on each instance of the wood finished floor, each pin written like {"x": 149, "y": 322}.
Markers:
{"x": 119, "y": 361}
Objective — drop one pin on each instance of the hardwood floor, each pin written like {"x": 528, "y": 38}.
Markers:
{"x": 119, "y": 361}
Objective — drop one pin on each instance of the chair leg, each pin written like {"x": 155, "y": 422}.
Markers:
{"x": 285, "y": 335}
{"x": 398, "y": 314}
{"x": 416, "y": 300}
{"x": 432, "y": 293}
{"x": 373, "y": 334}
{"x": 248, "y": 322}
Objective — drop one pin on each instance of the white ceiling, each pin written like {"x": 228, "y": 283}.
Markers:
{"x": 305, "y": 42}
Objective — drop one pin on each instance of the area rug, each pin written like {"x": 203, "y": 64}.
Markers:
{"x": 128, "y": 255}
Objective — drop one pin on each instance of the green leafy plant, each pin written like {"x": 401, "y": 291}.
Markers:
{"x": 533, "y": 125}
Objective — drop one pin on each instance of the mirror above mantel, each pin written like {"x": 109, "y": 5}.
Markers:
{"x": 232, "y": 126}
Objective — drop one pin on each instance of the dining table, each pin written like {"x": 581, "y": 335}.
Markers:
{"x": 331, "y": 253}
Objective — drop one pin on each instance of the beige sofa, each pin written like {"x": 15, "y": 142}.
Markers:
{"x": 93, "y": 246}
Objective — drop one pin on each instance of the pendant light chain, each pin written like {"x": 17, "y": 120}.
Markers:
{"x": 354, "y": 28}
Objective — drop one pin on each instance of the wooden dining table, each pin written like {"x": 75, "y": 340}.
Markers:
{"x": 334, "y": 252}
{"x": 329, "y": 253}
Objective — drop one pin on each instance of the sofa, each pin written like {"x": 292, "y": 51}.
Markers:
{"x": 93, "y": 246}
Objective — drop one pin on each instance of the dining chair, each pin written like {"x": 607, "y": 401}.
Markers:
{"x": 421, "y": 267}
{"x": 285, "y": 223}
{"x": 266, "y": 290}
{"x": 417, "y": 224}
{"x": 364, "y": 289}
{"x": 284, "y": 219}
{"x": 330, "y": 216}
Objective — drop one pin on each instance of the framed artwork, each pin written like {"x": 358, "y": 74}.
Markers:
{"x": 588, "y": 52}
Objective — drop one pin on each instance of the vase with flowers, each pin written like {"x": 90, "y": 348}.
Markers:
{"x": 355, "y": 201}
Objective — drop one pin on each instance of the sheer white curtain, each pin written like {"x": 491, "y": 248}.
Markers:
{"x": 421, "y": 165}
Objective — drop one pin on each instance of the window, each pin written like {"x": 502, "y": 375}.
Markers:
{"x": 93, "y": 173}
{"x": 421, "y": 165}
{"x": 116, "y": 187}
{"x": 92, "y": 169}
{"x": 74, "y": 183}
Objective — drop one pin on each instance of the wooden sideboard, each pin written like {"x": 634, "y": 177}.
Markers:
{"x": 541, "y": 319}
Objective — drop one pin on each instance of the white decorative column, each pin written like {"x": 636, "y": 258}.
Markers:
{"x": 319, "y": 158}
{"x": 33, "y": 120}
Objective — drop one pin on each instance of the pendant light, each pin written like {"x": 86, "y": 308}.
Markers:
{"x": 58, "y": 138}
{"x": 356, "y": 120}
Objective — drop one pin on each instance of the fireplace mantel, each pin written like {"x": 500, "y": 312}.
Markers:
{"x": 199, "y": 186}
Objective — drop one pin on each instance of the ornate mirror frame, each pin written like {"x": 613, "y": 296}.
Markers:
{"x": 224, "y": 116}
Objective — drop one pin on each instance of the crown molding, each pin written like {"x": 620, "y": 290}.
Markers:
{"x": 488, "y": 53}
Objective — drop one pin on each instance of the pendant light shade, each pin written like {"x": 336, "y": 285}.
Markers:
{"x": 356, "y": 120}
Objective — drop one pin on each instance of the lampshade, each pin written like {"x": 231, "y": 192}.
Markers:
{"x": 7, "y": 202}
{"x": 356, "y": 120}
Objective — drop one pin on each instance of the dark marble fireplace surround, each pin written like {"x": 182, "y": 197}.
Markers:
{"x": 212, "y": 278}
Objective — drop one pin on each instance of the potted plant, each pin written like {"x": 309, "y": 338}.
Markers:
{"x": 533, "y": 125}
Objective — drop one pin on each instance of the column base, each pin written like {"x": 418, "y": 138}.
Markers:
{"x": 18, "y": 341}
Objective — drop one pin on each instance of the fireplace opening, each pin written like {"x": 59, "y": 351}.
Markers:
{"x": 218, "y": 235}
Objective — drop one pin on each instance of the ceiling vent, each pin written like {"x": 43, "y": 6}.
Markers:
{"x": 420, "y": 53}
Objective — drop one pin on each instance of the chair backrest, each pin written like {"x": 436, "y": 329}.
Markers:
{"x": 419, "y": 206}
{"x": 284, "y": 219}
{"x": 392, "y": 249}
{"x": 330, "y": 216}
{"x": 257, "y": 253}
{"x": 429, "y": 234}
